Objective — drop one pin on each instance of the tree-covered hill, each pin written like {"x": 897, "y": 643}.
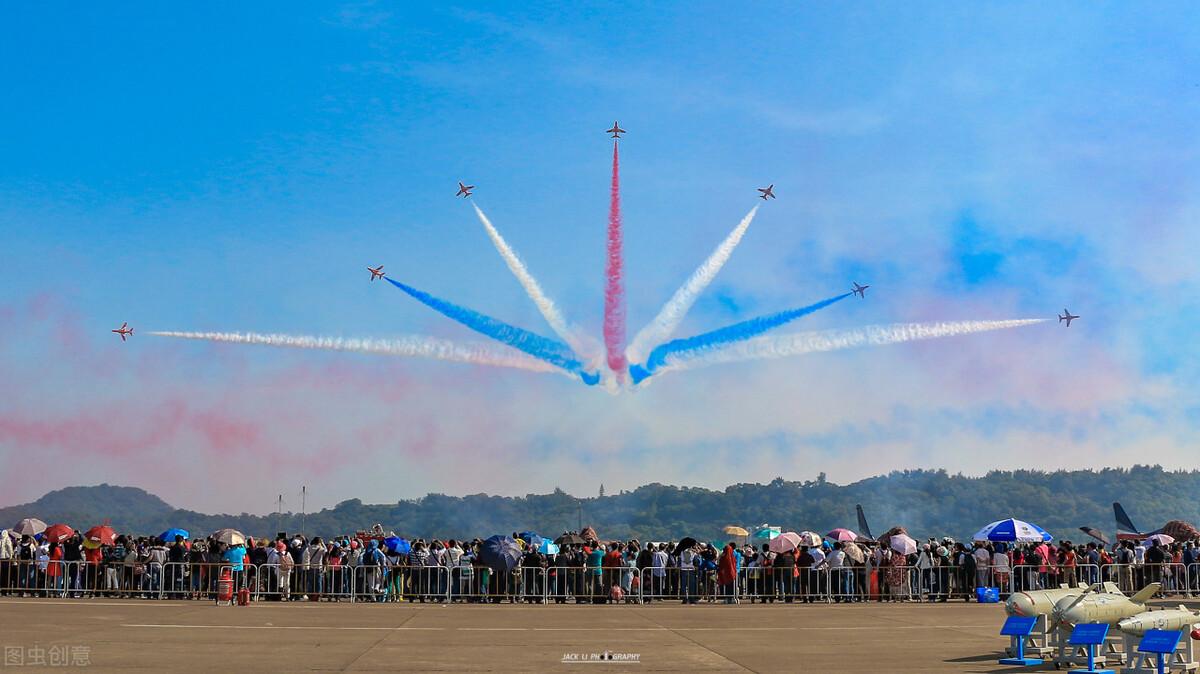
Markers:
{"x": 927, "y": 502}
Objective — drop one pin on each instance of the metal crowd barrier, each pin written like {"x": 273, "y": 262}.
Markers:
{"x": 1025, "y": 577}
{"x": 558, "y": 584}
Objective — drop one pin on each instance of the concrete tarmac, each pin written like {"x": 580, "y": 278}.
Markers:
{"x": 269, "y": 636}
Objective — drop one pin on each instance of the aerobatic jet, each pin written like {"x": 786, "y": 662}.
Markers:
{"x": 616, "y": 131}
{"x": 376, "y": 272}
{"x": 861, "y": 291}
{"x": 1066, "y": 316}
{"x": 123, "y": 331}
{"x": 767, "y": 191}
{"x": 464, "y": 191}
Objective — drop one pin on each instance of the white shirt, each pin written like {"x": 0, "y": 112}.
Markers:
{"x": 660, "y": 564}
{"x": 1000, "y": 562}
{"x": 982, "y": 557}
{"x": 818, "y": 556}
{"x": 837, "y": 559}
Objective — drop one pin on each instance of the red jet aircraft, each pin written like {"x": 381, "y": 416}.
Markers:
{"x": 123, "y": 331}
{"x": 376, "y": 272}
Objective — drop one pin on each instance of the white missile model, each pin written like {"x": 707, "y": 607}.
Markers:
{"x": 1169, "y": 619}
{"x": 1094, "y": 606}
{"x": 1031, "y": 603}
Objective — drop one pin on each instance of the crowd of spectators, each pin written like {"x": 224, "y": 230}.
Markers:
{"x": 377, "y": 567}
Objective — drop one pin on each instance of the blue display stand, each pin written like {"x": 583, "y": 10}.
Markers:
{"x": 1091, "y": 635}
{"x": 1017, "y": 629}
{"x": 1162, "y": 643}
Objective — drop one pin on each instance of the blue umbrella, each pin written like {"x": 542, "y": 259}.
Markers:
{"x": 1013, "y": 531}
{"x": 548, "y": 548}
{"x": 397, "y": 545}
{"x": 501, "y": 553}
{"x": 170, "y": 534}
{"x": 531, "y": 538}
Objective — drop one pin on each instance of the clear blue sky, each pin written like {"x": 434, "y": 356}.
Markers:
{"x": 235, "y": 168}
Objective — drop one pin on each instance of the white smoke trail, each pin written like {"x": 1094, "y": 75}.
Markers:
{"x": 544, "y": 304}
{"x": 780, "y": 346}
{"x": 669, "y": 317}
{"x": 476, "y": 353}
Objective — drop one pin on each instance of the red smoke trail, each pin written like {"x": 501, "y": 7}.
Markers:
{"x": 614, "y": 291}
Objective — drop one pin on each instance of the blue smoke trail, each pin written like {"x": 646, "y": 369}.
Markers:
{"x": 542, "y": 348}
{"x": 722, "y": 336}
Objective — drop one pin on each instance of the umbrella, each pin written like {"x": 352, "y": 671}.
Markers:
{"x": 842, "y": 535}
{"x": 1161, "y": 539}
{"x": 785, "y": 542}
{"x": 589, "y": 534}
{"x": 397, "y": 545}
{"x": 903, "y": 543}
{"x": 570, "y": 539}
{"x": 767, "y": 532}
{"x": 684, "y": 543}
{"x": 547, "y": 548}
{"x": 735, "y": 531}
{"x": 1179, "y": 530}
{"x": 853, "y": 552}
{"x": 30, "y": 526}
{"x": 102, "y": 534}
{"x": 170, "y": 534}
{"x": 810, "y": 538}
{"x": 501, "y": 553}
{"x": 1095, "y": 533}
{"x": 229, "y": 537}
{"x": 892, "y": 532}
{"x": 90, "y": 545}
{"x": 531, "y": 538}
{"x": 57, "y": 533}
{"x": 1013, "y": 531}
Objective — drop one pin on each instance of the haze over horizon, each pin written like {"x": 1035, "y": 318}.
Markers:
{"x": 183, "y": 169}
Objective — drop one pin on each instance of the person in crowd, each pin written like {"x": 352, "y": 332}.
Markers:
{"x": 727, "y": 572}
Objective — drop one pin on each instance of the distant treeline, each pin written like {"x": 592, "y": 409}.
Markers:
{"x": 927, "y": 502}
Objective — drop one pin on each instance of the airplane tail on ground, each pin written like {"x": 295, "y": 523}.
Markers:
{"x": 862, "y": 522}
{"x": 1146, "y": 593}
{"x": 1125, "y": 528}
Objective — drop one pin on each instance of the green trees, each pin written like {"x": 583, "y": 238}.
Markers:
{"x": 927, "y": 502}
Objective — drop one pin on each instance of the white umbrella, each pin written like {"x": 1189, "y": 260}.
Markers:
{"x": 785, "y": 542}
{"x": 230, "y": 537}
{"x": 1161, "y": 539}
{"x": 903, "y": 544}
{"x": 810, "y": 538}
{"x": 30, "y": 526}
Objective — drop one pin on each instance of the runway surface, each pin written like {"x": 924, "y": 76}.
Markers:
{"x": 153, "y": 635}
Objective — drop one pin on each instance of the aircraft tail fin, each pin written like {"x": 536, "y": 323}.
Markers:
{"x": 862, "y": 522}
{"x": 1124, "y": 524}
{"x": 1146, "y": 593}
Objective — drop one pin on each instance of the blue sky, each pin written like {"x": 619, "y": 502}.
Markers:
{"x": 235, "y": 168}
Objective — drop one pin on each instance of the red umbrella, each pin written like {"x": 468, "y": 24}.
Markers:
{"x": 102, "y": 534}
{"x": 57, "y": 533}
